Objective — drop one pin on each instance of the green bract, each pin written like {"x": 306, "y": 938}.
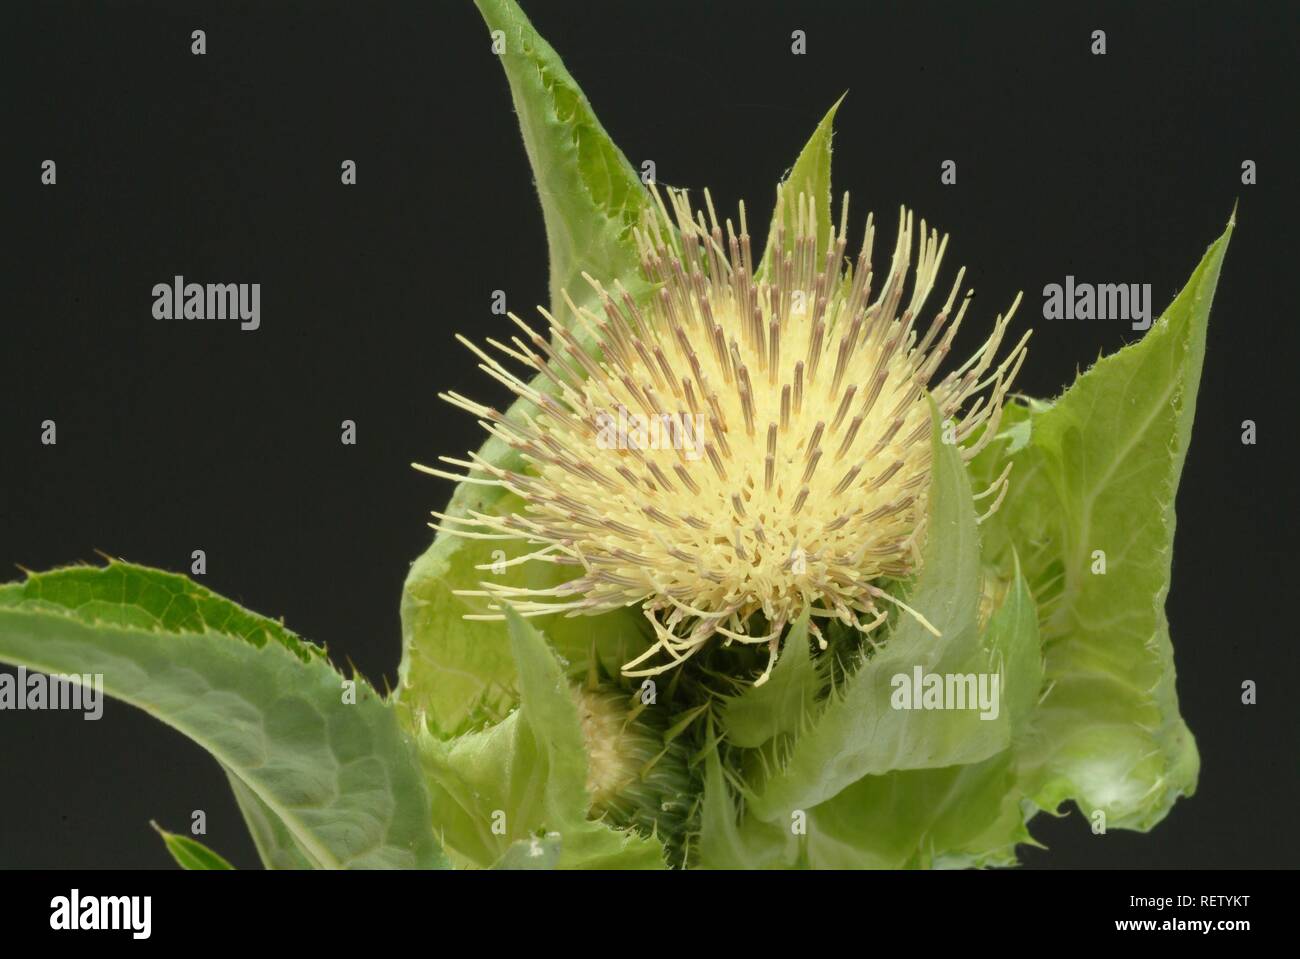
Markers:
{"x": 513, "y": 746}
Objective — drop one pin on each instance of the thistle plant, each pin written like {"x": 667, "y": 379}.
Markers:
{"x": 706, "y": 593}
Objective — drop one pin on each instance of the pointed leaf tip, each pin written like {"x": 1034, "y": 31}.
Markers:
{"x": 189, "y": 853}
{"x": 811, "y": 175}
{"x": 591, "y": 196}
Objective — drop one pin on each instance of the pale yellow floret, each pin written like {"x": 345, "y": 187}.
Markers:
{"x": 781, "y": 458}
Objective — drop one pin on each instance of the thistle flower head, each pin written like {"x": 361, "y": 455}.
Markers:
{"x": 637, "y": 777}
{"x": 742, "y": 446}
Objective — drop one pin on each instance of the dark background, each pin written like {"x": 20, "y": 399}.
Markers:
{"x": 174, "y": 436}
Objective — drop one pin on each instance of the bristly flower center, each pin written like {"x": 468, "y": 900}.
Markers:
{"x": 736, "y": 444}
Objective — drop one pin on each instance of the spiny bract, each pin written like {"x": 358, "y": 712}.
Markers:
{"x": 741, "y": 443}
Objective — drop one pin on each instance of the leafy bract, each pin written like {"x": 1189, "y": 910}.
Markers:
{"x": 859, "y": 731}
{"x": 526, "y": 776}
{"x": 1013, "y": 632}
{"x": 591, "y": 197}
{"x": 1095, "y": 482}
{"x": 780, "y": 706}
{"x": 340, "y": 777}
{"x": 958, "y": 815}
{"x": 810, "y": 176}
{"x": 728, "y": 839}
{"x": 452, "y": 669}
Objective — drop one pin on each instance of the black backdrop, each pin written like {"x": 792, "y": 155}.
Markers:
{"x": 225, "y": 167}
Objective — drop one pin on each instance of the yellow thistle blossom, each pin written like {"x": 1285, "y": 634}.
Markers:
{"x": 740, "y": 443}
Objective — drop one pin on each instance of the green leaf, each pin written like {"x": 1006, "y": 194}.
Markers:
{"x": 526, "y": 776}
{"x": 341, "y": 778}
{"x": 190, "y": 853}
{"x": 965, "y": 815}
{"x": 726, "y": 840}
{"x": 453, "y": 670}
{"x": 956, "y": 816}
{"x": 860, "y": 732}
{"x": 811, "y": 176}
{"x": 781, "y": 705}
{"x": 1013, "y": 633}
{"x": 591, "y": 197}
{"x": 960, "y": 815}
{"x": 1100, "y": 472}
